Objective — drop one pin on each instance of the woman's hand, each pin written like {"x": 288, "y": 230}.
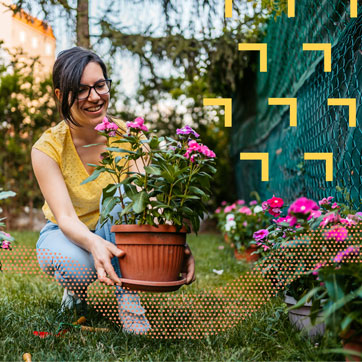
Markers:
{"x": 103, "y": 251}
{"x": 188, "y": 267}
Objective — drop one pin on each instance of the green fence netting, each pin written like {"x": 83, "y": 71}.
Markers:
{"x": 293, "y": 72}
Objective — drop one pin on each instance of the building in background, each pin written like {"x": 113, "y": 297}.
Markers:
{"x": 33, "y": 36}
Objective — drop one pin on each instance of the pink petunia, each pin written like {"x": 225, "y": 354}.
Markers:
{"x": 275, "y": 202}
{"x": 107, "y": 126}
{"x": 314, "y": 214}
{"x": 265, "y": 206}
{"x": 223, "y": 203}
{"x": 218, "y": 210}
{"x": 137, "y": 125}
{"x": 253, "y": 202}
{"x": 329, "y": 219}
{"x": 291, "y": 220}
{"x": 337, "y": 232}
{"x": 275, "y": 211}
{"x": 245, "y": 210}
{"x": 355, "y": 250}
{"x": 302, "y": 206}
{"x": 260, "y": 234}
{"x": 240, "y": 202}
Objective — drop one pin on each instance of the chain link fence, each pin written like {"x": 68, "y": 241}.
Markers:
{"x": 292, "y": 73}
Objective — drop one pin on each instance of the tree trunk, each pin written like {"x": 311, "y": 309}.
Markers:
{"x": 83, "y": 24}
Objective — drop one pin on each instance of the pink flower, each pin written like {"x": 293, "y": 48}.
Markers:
{"x": 240, "y": 202}
{"x": 245, "y": 224}
{"x": 265, "y": 206}
{"x": 260, "y": 234}
{"x": 137, "y": 125}
{"x": 337, "y": 232}
{"x": 335, "y": 206}
{"x": 314, "y": 214}
{"x": 107, "y": 126}
{"x": 317, "y": 267}
{"x": 253, "y": 202}
{"x": 275, "y": 202}
{"x": 193, "y": 146}
{"x": 5, "y": 244}
{"x": 342, "y": 254}
{"x": 218, "y": 210}
{"x": 223, "y": 203}
{"x": 245, "y": 210}
{"x": 291, "y": 220}
{"x": 329, "y": 218}
{"x": 229, "y": 208}
{"x": 274, "y": 211}
{"x": 302, "y": 206}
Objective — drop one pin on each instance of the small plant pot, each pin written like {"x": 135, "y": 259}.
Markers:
{"x": 352, "y": 342}
{"x": 153, "y": 256}
{"x": 226, "y": 238}
{"x": 300, "y": 318}
{"x": 247, "y": 255}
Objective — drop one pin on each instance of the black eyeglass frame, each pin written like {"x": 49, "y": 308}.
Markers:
{"x": 108, "y": 82}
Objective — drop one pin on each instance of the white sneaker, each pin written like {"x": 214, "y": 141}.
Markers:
{"x": 71, "y": 301}
{"x": 132, "y": 314}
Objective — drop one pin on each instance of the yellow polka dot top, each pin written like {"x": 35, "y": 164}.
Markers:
{"x": 57, "y": 143}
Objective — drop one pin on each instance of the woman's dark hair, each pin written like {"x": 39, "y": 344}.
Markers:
{"x": 67, "y": 72}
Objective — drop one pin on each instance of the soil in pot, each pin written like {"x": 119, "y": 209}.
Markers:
{"x": 247, "y": 255}
{"x": 300, "y": 318}
{"x": 154, "y": 256}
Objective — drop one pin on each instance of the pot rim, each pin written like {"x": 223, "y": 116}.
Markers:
{"x": 135, "y": 228}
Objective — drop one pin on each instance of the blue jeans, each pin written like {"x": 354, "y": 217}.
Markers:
{"x": 73, "y": 266}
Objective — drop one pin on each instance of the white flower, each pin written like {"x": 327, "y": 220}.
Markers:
{"x": 257, "y": 209}
{"x": 230, "y": 217}
{"x": 230, "y": 225}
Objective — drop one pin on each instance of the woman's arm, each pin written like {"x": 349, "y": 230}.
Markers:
{"x": 54, "y": 190}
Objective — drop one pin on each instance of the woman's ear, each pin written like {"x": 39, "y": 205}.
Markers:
{"x": 58, "y": 94}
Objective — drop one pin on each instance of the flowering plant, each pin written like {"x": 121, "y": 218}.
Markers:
{"x": 175, "y": 183}
{"x": 339, "y": 291}
{"x": 5, "y": 238}
{"x": 239, "y": 221}
{"x": 288, "y": 233}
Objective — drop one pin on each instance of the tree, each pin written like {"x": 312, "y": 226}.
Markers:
{"x": 26, "y": 110}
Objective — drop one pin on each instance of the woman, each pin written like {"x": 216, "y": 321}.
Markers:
{"x": 72, "y": 236}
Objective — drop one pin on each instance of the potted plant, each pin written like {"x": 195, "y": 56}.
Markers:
{"x": 5, "y": 238}
{"x": 167, "y": 193}
{"x": 340, "y": 295}
{"x": 238, "y": 222}
{"x": 288, "y": 235}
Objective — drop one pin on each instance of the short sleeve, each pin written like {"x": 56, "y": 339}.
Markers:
{"x": 49, "y": 145}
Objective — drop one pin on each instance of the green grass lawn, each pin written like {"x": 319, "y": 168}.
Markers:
{"x": 29, "y": 303}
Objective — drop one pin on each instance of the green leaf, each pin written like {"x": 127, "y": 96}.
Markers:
{"x": 153, "y": 170}
{"x": 140, "y": 202}
{"x": 93, "y": 144}
{"x": 121, "y": 150}
{"x": 108, "y": 204}
{"x": 93, "y": 176}
{"x": 196, "y": 190}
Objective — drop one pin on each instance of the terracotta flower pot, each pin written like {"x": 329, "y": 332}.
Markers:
{"x": 352, "y": 342}
{"x": 153, "y": 258}
{"x": 247, "y": 254}
{"x": 300, "y": 318}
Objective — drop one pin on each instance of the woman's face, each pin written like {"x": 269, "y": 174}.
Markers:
{"x": 92, "y": 110}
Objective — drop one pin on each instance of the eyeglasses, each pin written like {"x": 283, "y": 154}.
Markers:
{"x": 101, "y": 87}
